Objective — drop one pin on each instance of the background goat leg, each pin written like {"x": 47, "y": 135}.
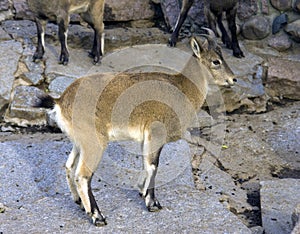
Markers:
{"x": 62, "y": 34}
{"x": 231, "y": 14}
{"x": 186, "y": 5}
{"x": 40, "y": 49}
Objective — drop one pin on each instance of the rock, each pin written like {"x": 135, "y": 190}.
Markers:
{"x": 279, "y": 22}
{"x": 42, "y": 194}
{"x": 280, "y": 42}
{"x": 246, "y": 9}
{"x": 33, "y": 78}
{"x": 6, "y": 10}
{"x": 296, "y": 5}
{"x": 59, "y": 84}
{"x": 256, "y": 28}
{"x": 283, "y": 79}
{"x": 8, "y": 66}
{"x": 4, "y": 35}
{"x": 196, "y": 14}
{"x": 248, "y": 91}
{"x": 20, "y": 111}
{"x": 282, "y": 5}
{"x": 294, "y": 30}
{"x": 21, "y": 29}
{"x": 32, "y": 66}
{"x": 21, "y": 10}
{"x": 265, "y": 7}
{"x": 296, "y": 215}
{"x": 278, "y": 201}
{"x": 219, "y": 183}
{"x": 171, "y": 10}
{"x": 127, "y": 10}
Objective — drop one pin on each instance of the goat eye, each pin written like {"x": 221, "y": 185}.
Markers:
{"x": 216, "y": 62}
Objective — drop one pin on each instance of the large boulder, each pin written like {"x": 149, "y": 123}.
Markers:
{"x": 282, "y": 5}
{"x": 126, "y": 10}
{"x": 6, "y": 11}
{"x": 21, "y": 9}
{"x": 280, "y": 42}
{"x": 115, "y": 10}
{"x": 256, "y": 28}
{"x": 283, "y": 79}
{"x": 171, "y": 10}
{"x": 296, "y": 5}
{"x": 278, "y": 201}
{"x": 248, "y": 92}
{"x": 294, "y": 30}
{"x": 21, "y": 111}
{"x": 8, "y": 66}
{"x": 246, "y": 9}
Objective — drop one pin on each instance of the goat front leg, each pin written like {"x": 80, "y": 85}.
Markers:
{"x": 40, "y": 49}
{"x": 98, "y": 46}
{"x": 63, "y": 35}
{"x": 186, "y": 5}
{"x": 231, "y": 14}
{"x": 87, "y": 164}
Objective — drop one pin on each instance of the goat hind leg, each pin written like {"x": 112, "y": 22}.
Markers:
{"x": 147, "y": 187}
{"x": 84, "y": 172}
{"x": 71, "y": 166}
{"x": 225, "y": 38}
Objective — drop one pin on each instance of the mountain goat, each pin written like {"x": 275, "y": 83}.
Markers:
{"x": 59, "y": 10}
{"x": 85, "y": 113}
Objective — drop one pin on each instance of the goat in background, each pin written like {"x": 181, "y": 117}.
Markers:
{"x": 213, "y": 9}
{"x": 59, "y": 10}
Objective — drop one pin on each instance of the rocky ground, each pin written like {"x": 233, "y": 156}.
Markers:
{"x": 255, "y": 177}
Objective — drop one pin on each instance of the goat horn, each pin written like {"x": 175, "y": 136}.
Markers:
{"x": 211, "y": 41}
{"x": 209, "y": 31}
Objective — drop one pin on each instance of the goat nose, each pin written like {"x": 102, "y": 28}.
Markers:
{"x": 231, "y": 81}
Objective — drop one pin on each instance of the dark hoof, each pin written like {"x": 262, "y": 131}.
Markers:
{"x": 239, "y": 54}
{"x": 37, "y": 58}
{"x": 171, "y": 42}
{"x": 97, "y": 59}
{"x": 154, "y": 207}
{"x": 64, "y": 62}
{"x": 99, "y": 222}
{"x": 63, "y": 59}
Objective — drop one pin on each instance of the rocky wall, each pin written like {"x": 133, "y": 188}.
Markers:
{"x": 269, "y": 33}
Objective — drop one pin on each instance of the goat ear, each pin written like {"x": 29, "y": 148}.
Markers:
{"x": 196, "y": 47}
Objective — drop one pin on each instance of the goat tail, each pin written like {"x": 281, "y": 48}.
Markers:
{"x": 45, "y": 101}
